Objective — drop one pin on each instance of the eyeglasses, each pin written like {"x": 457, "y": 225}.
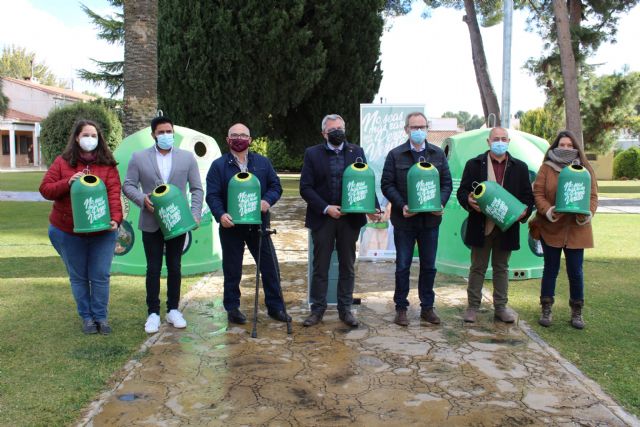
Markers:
{"x": 418, "y": 127}
{"x": 239, "y": 135}
{"x": 503, "y": 139}
{"x": 332, "y": 129}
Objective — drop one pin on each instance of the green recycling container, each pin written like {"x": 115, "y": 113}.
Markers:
{"x": 453, "y": 255}
{"x": 423, "y": 188}
{"x": 358, "y": 189}
{"x": 243, "y": 199}
{"x": 201, "y": 252}
{"x": 498, "y": 204}
{"x": 574, "y": 190}
{"x": 90, "y": 205}
{"x": 172, "y": 211}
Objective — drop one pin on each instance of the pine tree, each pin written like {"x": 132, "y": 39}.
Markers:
{"x": 278, "y": 66}
{"x": 111, "y": 29}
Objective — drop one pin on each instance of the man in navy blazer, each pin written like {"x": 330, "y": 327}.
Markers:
{"x": 321, "y": 188}
{"x": 234, "y": 236}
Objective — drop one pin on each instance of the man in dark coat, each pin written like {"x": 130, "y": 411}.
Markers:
{"x": 321, "y": 188}
{"x": 411, "y": 228}
{"x": 484, "y": 237}
{"x": 233, "y": 237}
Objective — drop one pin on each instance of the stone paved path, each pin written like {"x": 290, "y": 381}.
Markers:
{"x": 488, "y": 374}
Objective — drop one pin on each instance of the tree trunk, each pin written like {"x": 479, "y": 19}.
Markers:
{"x": 487, "y": 94}
{"x": 568, "y": 66}
{"x": 140, "y": 63}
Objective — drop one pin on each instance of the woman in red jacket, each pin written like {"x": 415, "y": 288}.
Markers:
{"x": 87, "y": 256}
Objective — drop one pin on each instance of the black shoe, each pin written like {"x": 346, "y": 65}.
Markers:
{"x": 104, "y": 327}
{"x": 314, "y": 318}
{"x": 279, "y": 315}
{"x": 236, "y": 316}
{"x": 89, "y": 326}
{"x": 348, "y": 319}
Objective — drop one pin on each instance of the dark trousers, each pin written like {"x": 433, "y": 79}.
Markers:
{"x": 573, "y": 260}
{"x": 233, "y": 241}
{"x": 405, "y": 240}
{"x": 154, "y": 247}
{"x": 338, "y": 234}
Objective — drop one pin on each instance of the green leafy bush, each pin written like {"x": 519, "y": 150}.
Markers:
{"x": 276, "y": 151}
{"x": 59, "y": 124}
{"x": 627, "y": 164}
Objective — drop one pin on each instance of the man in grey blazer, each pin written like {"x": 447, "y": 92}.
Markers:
{"x": 162, "y": 164}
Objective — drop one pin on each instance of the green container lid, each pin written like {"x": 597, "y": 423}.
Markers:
{"x": 243, "y": 199}
{"x": 90, "y": 205}
{"x": 358, "y": 189}
{"x": 172, "y": 211}
{"x": 574, "y": 190}
{"x": 423, "y": 188}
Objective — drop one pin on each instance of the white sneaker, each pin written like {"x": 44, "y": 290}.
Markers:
{"x": 153, "y": 324}
{"x": 175, "y": 318}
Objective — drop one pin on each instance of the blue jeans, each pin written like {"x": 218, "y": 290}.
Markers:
{"x": 88, "y": 261}
{"x": 574, "y": 259}
{"x": 405, "y": 240}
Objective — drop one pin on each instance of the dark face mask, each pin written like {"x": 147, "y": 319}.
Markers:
{"x": 336, "y": 137}
{"x": 238, "y": 145}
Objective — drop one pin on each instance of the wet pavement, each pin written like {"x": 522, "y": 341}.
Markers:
{"x": 488, "y": 374}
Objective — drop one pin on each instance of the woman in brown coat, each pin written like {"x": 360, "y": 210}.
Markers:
{"x": 560, "y": 232}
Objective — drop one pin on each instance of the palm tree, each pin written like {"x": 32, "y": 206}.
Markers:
{"x": 140, "y": 63}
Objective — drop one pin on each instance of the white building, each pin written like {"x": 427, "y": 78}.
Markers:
{"x": 29, "y": 104}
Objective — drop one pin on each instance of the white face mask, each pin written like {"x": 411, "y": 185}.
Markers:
{"x": 88, "y": 143}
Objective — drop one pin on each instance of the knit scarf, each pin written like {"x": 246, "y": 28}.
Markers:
{"x": 559, "y": 158}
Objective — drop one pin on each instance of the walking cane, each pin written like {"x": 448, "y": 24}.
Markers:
{"x": 267, "y": 232}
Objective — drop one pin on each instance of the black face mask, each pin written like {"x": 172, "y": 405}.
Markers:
{"x": 336, "y": 137}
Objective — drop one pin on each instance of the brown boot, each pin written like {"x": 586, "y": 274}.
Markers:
{"x": 471, "y": 315}
{"x": 401, "y": 318}
{"x": 576, "y": 313}
{"x": 429, "y": 314}
{"x": 545, "y": 315}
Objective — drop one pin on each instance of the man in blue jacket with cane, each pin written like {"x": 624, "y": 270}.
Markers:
{"x": 233, "y": 237}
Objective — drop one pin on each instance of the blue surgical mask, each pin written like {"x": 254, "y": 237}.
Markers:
{"x": 165, "y": 141}
{"x": 418, "y": 136}
{"x": 499, "y": 147}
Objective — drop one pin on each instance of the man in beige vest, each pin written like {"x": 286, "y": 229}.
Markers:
{"x": 482, "y": 235}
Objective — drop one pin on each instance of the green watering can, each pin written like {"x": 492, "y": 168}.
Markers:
{"x": 90, "y": 205}
{"x": 172, "y": 211}
{"x": 498, "y": 204}
{"x": 358, "y": 189}
{"x": 574, "y": 190}
{"x": 423, "y": 188}
{"x": 243, "y": 199}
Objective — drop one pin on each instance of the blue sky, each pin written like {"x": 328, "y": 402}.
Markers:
{"x": 425, "y": 61}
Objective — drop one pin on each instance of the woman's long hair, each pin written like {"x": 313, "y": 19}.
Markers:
{"x": 581, "y": 154}
{"x": 72, "y": 151}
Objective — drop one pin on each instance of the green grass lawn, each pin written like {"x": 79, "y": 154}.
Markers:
{"x": 49, "y": 370}
{"x": 608, "y": 349}
{"x": 20, "y": 181}
{"x": 619, "y": 189}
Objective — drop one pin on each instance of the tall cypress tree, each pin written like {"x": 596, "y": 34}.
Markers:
{"x": 277, "y": 65}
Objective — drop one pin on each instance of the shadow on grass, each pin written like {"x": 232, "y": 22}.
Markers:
{"x": 32, "y": 267}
